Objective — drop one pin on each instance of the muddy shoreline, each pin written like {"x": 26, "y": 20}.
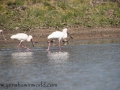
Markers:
{"x": 83, "y": 35}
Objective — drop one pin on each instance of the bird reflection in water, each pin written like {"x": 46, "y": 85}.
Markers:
{"x": 22, "y": 57}
{"x": 58, "y": 57}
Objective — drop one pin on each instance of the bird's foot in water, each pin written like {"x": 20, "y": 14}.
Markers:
{"x": 47, "y": 49}
{"x": 27, "y": 49}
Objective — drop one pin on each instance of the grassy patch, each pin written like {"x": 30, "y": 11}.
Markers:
{"x": 57, "y": 13}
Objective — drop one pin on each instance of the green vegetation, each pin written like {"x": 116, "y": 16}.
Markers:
{"x": 28, "y": 14}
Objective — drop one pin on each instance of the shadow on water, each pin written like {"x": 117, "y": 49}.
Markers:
{"x": 84, "y": 67}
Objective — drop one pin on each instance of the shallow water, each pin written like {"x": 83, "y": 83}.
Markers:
{"x": 76, "y": 67}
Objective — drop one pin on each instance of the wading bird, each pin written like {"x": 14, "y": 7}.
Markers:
{"x": 22, "y": 37}
{"x": 58, "y": 35}
{"x": 1, "y": 31}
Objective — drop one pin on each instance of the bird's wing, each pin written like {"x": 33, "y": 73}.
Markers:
{"x": 19, "y": 36}
{"x": 56, "y": 34}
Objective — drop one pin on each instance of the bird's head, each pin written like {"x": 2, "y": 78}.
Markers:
{"x": 29, "y": 38}
{"x": 65, "y": 30}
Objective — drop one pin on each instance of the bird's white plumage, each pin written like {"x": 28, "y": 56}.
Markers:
{"x": 0, "y": 30}
{"x": 21, "y": 37}
{"x": 58, "y": 34}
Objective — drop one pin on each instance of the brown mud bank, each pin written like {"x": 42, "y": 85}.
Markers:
{"x": 83, "y": 35}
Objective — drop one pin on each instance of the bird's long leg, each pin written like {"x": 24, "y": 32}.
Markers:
{"x": 25, "y": 47}
{"x": 59, "y": 45}
{"x": 49, "y": 42}
{"x": 19, "y": 46}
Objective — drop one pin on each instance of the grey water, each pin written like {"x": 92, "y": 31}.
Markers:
{"x": 75, "y": 67}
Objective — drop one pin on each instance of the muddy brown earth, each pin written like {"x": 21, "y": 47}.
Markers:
{"x": 83, "y": 35}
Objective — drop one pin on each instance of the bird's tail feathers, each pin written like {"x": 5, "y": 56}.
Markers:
{"x": 13, "y": 37}
{"x": 49, "y": 37}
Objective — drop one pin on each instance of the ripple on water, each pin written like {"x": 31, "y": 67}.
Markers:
{"x": 89, "y": 67}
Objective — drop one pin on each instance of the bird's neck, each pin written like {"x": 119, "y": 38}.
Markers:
{"x": 65, "y": 34}
{"x": 28, "y": 39}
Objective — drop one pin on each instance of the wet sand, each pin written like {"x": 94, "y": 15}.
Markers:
{"x": 84, "y": 35}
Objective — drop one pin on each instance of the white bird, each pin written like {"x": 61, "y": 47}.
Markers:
{"x": 22, "y": 37}
{"x": 58, "y": 35}
{"x": 1, "y": 31}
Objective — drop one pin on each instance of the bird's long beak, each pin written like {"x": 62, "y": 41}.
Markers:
{"x": 70, "y": 35}
{"x": 32, "y": 43}
{"x": 3, "y": 36}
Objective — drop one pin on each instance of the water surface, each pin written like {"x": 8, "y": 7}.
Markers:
{"x": 76, "y": 67}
